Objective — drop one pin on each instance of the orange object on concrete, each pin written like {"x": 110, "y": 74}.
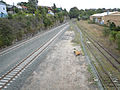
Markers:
{"x": 76, "y": 52}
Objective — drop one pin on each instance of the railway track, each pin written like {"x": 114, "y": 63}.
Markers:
{"x": 102, "y": 76}
{"x": 111, "y": 82}
{"x": 17, "y": 70}
{"x": 116, "y": 63}
{"x": 112, "y": 56}
{"x": 26, "y": 41}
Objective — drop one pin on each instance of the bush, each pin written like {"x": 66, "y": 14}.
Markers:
{"x": 47, "y": 22}
{"x": 118, "y": 40}
{"x": 106, "y": 31}
{"x": 6, "y": 33}
{"x": 112, "y": 35}
{"x": 91, "y": 22}
{"x": 10, "y": 16}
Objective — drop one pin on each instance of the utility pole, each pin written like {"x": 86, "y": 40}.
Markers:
{"x": 36, "y": 4}
{"x": 13, "y": 8}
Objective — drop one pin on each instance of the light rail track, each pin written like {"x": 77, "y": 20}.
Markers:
{"x": 104, "y": 71}
{"x": 97, "y": 45}
{"x": 116, "y": 63}
{"x": 7, "y": 78}
{"x": 112, "y": 56}
{"x": 9, "y": 50}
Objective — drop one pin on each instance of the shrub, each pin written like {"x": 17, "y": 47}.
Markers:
{"x": 112, "y": 35}
{"x": 6, "y": 33}
{"x": 118, "y": 40}
{"x": 10, "y": 16}
{"x": 106, "y": 31}
{"x": 47, "y": 22}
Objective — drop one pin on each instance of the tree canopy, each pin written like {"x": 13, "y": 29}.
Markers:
{"x": 74, "y": 12}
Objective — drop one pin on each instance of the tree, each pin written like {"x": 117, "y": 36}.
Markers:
{"x": 74, "y": 12}
{"x": 33, "y": 3}
{"x": 23, "y": 4}
{"x": 54, "y": 8}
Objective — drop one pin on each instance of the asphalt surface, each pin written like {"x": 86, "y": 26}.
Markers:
{"x": 12, "y": 56}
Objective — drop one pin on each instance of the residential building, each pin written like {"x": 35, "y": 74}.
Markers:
{"x": 98, "y": 18}
{"x": 24, "y": 8}
{"x": 10, "y": 9}
{"x": 115, "y": 17}
{"x": 19, "y": 7}
{"x": 3, "y": 10}
{"x": 50, "y": 11}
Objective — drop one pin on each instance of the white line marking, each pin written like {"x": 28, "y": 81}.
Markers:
{"x": 1, "y": 83}
{"x": 12, "y": 74}
{"x": 13, "y": 79}
{"x": 5, "y": 87}
{"x": 16, "y": 76}
{"x": 4, "y": 80}
{"x": 9, "y": 76}
{"x": 16, "y": 70}
{"x": 8, "y": 84}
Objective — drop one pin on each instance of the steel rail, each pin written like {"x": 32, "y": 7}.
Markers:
{"x": 27, "y": 61}
{"x": 92, "y": 41}
{"x": 103, "y": 48}
{"x": 89, "y": 47}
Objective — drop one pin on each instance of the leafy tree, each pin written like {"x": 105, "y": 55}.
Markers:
{"x": 112, "y": 26}
{"x": 47, "y": 22}
{"x": 6, "y": 35}
{"x": 118, "y": 40}
{"x": 65, "y": 13}
{"x": 33, "y": 3}
{"x": 23, "y": 4}
{"x": 54, "y": 8}
{"x": 74, "y": 12}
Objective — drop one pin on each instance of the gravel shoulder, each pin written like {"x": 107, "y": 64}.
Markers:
{"x": 61, "y": 70}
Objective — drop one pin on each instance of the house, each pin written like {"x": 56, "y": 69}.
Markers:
{"x": 24, "y": 8}
{"x": 3, "y": 10}
{"x": 50, "y": 11}
{"x": 98, "y": 18}
{"x": 10, "y": 9}
{"x": 19, "y": 7}
{"x": 115, "y": 17}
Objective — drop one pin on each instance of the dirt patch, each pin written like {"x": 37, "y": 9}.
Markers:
{"x": 61, "y": 70}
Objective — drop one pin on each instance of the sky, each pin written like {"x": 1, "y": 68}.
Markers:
{"x": 81, "y": 4}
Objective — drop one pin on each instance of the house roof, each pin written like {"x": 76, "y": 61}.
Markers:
{"x": 19, "y": 7}
{"x": 1, "y": 3}
{"x": 103, "y": 14}
{"x": 10, "y": 6}
{"x": 24, "y": 7}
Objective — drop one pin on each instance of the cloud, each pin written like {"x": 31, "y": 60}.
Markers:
{"x": 81, "y": 4}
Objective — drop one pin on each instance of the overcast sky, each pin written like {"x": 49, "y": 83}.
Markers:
{"x": 81, "y": 4}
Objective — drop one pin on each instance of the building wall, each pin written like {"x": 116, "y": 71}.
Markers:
{"x": 91, "y": 18}
{"x": 112, "y": 18}
{"x": 3, "y": 11}
{"x": 97, "y": 19}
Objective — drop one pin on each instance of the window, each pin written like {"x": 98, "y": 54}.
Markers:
{"x": 3, "y": 8}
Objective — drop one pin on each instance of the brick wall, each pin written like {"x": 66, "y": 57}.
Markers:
{"x": 112, "y": 18}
